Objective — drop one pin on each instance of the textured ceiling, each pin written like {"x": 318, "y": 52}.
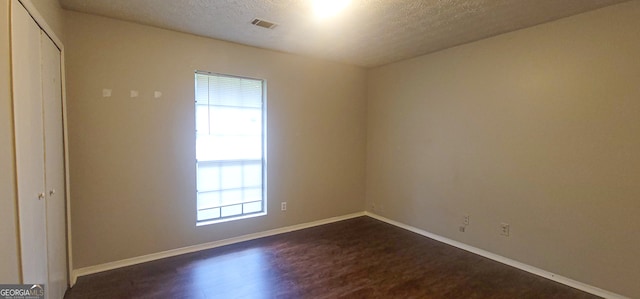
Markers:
{"x": 367, "y": 33}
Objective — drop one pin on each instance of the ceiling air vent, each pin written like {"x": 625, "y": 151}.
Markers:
{"x": 263, "y": 23}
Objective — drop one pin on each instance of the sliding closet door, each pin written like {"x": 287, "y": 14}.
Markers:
{"x": 27, "y": 105}
{"x": 54, "y": 168}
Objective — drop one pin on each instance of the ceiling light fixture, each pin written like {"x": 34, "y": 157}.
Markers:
{"x": 329, "y": 8}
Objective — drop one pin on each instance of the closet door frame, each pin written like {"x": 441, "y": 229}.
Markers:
{"x": 31, "y": 9}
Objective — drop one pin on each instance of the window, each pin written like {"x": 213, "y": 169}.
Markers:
{"x": 230, "y": 145}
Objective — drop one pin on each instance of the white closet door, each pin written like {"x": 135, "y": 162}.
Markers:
{"x": 27, "y": 105}
{"x": 54, "y": 168}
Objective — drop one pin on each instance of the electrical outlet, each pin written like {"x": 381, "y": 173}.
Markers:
{"x": 283, "y": 206}
{"x": 466, "y": 219}
{"x": 504, "y": 229}
{"x": 373, "y": 206}
{"x": 462, "y": 228}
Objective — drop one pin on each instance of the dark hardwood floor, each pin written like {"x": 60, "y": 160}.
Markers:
{"x": 356, "y": 258}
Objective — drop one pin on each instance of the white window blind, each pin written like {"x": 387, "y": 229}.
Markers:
{"x": 229, "y": 147}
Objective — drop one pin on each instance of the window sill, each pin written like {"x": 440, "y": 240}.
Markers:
{"x": 208, "y": 222}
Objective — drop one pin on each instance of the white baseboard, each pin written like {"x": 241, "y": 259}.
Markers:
{"x": 498, "y": 258}
{"x": 189, "y": 249}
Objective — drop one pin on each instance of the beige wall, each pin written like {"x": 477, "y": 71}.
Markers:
{"x": 538, "y": 128}
{"x": 9, "y": 264}
{"x": 132, "y": 160}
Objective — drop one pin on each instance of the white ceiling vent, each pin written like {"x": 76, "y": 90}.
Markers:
{"x": 264, "y": 24}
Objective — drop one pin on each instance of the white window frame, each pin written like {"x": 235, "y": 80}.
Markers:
{"x": 263, "y": 150}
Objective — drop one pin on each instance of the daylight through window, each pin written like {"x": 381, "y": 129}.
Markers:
{"x": 229, "y": 147}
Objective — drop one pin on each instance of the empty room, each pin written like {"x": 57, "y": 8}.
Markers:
{"x": 320, "y": 149}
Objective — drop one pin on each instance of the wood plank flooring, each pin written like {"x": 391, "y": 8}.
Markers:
{"x": 356, "y": 258}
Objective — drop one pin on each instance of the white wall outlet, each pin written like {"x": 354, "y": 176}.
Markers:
{"x": 133, "y": 93}
{"x": 157, "y": 94}
{"x": 466, "y": 220}
{"x": 283, "y": 206}
{"x": 106, "y": 93}
{"x": 504, "y": 229}
{"x": 462, "y": 228}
